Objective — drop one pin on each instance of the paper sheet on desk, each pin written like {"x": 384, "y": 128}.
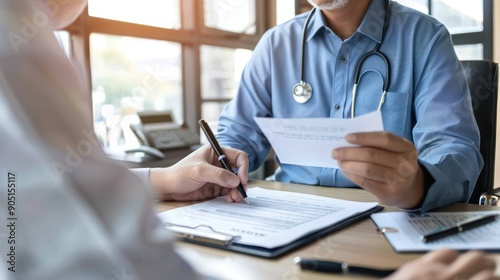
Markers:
{"x": 310, "y": 141}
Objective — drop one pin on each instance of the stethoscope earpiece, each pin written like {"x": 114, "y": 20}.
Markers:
{"x": 302, "y": 92}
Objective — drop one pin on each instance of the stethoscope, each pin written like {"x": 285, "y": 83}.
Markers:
{"x": 302, "y": 91}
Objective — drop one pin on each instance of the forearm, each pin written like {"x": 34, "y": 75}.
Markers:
{"x": 155, "y": 179}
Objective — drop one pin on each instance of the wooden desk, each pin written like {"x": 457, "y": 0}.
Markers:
{"x": 359, "y": 244}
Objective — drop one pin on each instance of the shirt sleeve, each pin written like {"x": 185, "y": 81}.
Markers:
{"x": 446, "y": 133}
{"x": 237, "y": 127}
{"x": 142, "y": 173}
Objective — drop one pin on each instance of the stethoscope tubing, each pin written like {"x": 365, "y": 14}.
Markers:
{"x": 357, "y": 77}
{"x": 302, "y": 91}
{"x": 302, "y": 52}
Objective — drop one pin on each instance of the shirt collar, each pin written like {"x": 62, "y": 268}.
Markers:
{"x": 317, "y": 23}
{"x": 373, "y": 22}
{"x": 371, "y": 25}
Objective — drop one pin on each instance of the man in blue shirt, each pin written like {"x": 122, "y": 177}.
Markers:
{"x": 428, "y": 155}
{"x": 97, "y": 221}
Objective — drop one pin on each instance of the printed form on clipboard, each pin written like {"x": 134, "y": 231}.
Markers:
{"x": 403, "y": 231}
{"x": 274, "y": 223}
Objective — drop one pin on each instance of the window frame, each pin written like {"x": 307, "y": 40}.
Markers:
{"x": 484, "y": 37}
{"x": 191, "y": 36}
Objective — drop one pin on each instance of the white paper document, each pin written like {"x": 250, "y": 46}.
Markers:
{"x": 403, "y": 231}
{"x": 310, "y": 141}
{"x": 273, "y": 218}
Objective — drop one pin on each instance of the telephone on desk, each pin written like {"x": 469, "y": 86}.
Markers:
{"x": 159, "y": 132}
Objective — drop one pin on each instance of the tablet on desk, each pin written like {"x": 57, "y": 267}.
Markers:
{"x": 407, "y": 229}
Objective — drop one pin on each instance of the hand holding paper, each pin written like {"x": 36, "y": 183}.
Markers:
{"x": 385, "y": 165}
{"x": 310, "y": 141}
{"x": 380, "y": 162}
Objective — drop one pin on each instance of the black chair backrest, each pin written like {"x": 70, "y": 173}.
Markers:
{"x": 482, "y": 77}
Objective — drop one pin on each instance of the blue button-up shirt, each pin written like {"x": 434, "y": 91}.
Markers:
{"x": 427, "y": 102}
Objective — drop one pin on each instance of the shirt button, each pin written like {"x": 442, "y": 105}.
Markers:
{"x": 342, "y": 59}
{"x": 337, "y": 107}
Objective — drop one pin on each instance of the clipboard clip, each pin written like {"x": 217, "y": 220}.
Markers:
{"x": 202, "y": 234}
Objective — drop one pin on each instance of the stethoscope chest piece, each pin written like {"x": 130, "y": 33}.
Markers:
{"x": 302, "y": 92}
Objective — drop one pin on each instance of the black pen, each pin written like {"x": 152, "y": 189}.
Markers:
{"x": 339, "y": 267}
{"x": 222, "y": 158}
{"x": 459, "y": 227}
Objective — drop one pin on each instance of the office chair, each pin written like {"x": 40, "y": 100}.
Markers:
{"x": 482, "y": 78}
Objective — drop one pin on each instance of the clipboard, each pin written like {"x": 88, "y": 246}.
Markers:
{"x": 207, "y": 236}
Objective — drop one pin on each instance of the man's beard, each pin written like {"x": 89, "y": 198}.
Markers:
{"x": 333, "y": 5}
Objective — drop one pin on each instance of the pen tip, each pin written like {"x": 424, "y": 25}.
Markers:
{"x": 248, "y": 202}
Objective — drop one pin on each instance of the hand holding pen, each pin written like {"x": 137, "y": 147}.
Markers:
{"x": 198, "y": 177}
{"x": 220, "y": 155}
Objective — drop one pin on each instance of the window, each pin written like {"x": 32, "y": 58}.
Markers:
{"x": 126, "y": 81}
{"x": 159, "y": 13}
{"x": 182, "y": 56}
{"x": 469, "y": 21}
{"x": 64, "y": 41}
{"x": 285, "y": 10}
{"x": 235, "y": 16}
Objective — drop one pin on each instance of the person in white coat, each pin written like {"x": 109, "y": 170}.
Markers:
{"x": 74, "y": 213}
